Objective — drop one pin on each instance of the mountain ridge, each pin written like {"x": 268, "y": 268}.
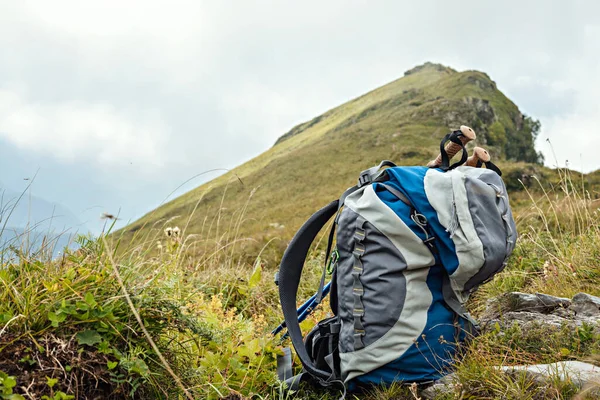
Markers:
{"x": 24, "y": 210}
{"x": 312, "y": 163}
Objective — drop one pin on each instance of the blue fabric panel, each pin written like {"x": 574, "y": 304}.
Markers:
{"x": 409, "y": 180}
{"x": 432, "y": 354}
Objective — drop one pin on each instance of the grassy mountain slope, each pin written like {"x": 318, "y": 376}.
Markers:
{"x": 314, "y": 162}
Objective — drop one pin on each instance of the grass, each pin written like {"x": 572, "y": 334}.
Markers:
{"x": 158, "y": 319}
{"x": 157, "y": 312}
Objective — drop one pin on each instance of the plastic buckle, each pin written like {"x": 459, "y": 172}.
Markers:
{"x": 429, "y": 241}
{"x": 324, "y": 329}
{"x": 334, "y": 257}
{"x": 364, "y": 179}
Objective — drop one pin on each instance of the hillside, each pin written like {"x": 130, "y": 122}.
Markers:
{"x": 166, "y": 320}
{"x": 315, "y": 161}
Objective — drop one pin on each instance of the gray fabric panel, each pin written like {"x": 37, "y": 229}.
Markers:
{"x": 494, "y": 223}
{"x": 345, "y": 282}
{"x": 369, "y": 206}
{"x": 413, "y": 314}
{"x": 400, "y": 337}
{"x": 382, "y": 280}
{"x": 469, "y": 246}
{"x": 447, "y": 195}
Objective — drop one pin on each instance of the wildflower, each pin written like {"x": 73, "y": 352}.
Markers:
{"x": 169, "y": 231}
{"x": 458, "y": 388}
{"x": 546, "y": 270}
{"x": 414, "y": 391}
{"x": 159, "y": 245}
{"x": 176, "y": 232}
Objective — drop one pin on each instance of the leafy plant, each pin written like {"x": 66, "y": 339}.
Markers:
{"x": 7, "y": 383}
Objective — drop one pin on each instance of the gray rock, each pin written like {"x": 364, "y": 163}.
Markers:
{"x": 535, "y": 310}
{"x": 517, "y": 301}
{"x": 441, "y": 388}
{"x": 585, "y": 305}
{"x": 583, "y": 375}
{"x": 580, "y": 373}
{"x": 566, "y": 313}
{"x": 527, "y": 320}
{"x": 528, "y": 310}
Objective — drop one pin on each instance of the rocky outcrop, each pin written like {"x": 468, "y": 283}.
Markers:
{"x": 583, "y": 375}
{"x": 580, "y": 373}
{"x": 531, "y": 311}
{"x": 430, "y": 65}
{"x": 443, "y": 388}
{"x": 585, "y": 305}
{"x": 540, "y": 310}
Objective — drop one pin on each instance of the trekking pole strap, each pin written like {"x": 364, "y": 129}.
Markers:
{"x": 453, "y": 137}
{"x": 290, "y": 272}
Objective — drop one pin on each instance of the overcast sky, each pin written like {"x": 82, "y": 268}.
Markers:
{"x": 116, "y": 103}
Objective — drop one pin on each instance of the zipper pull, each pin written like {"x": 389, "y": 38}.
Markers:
{"x": 453, "y": 225}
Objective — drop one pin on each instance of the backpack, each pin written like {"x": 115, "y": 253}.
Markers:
{"x": 412, "y": 243}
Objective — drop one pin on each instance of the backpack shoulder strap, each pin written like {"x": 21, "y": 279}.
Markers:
{"x": 290, "y": 271}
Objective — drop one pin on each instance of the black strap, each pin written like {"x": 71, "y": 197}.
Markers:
{"x": 456, "y": 306}
{"x": 398, "y": 194}
{"x": 290, "y": 272}
{"x": 293, "y": 383}
{"x": 372, "y": 174}
{"x": 453, "y": 137}
{"x": 489, "y": 165}
{"x": 284, "y": 365}
{"x": 327, "y": 255}
{"x": 493, "y": 167}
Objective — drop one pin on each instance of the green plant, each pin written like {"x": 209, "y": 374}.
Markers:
{"x": 7, "y": 383}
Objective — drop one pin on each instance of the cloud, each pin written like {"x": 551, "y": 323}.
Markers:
{"x": 175, "y": 88}
{"x": 77, "y": 131}
{"x": 569, "y": 107}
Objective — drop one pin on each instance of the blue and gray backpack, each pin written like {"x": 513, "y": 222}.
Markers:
{"x": 412, "y": 244}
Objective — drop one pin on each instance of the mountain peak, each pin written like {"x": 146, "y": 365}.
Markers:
{"x": 317, "y": 160}
{"x": 428, "y": 66}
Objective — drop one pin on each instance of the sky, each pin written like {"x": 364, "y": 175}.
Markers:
{"x": 112, "y": 105}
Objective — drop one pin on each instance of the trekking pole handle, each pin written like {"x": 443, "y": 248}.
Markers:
{"x": 479, "y": 157}
{"x": 452, "y": 149}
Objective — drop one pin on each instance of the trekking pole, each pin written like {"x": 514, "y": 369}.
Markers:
{"x": 304, "y": 310}
{"x": 452, "y": 149}
{"x": 480, "y": 156}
